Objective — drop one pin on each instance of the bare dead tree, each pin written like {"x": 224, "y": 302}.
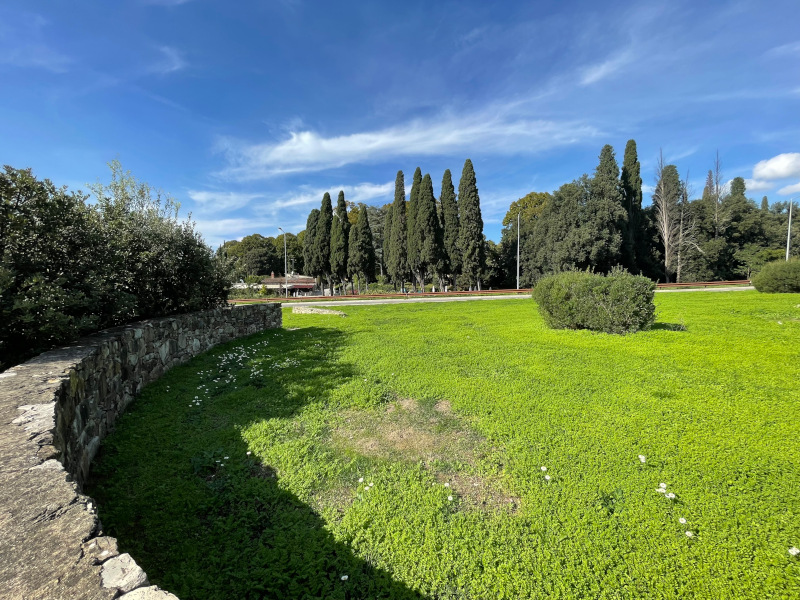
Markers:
{"x": 667, "y": 217}
{"x": 718, "y": 216}
{"x": 687, "y": 239}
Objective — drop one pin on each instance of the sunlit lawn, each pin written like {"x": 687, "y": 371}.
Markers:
{"x": 401, "y": 451}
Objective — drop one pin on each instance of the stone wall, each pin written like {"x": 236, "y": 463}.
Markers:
{"x": 54, "y": 411}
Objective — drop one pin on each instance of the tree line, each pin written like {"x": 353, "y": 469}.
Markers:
{"x": 419, "y": 240}
{"x": 599, "y": 222}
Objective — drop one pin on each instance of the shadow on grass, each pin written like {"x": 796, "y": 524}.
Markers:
{"x": 176, "y": 487}
{"x": 668, "y": 327}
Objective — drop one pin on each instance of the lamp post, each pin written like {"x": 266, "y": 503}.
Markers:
{"x": 789, "y": 233}
{"x": 518, "y": 213}
{"x": 285, "y": 261}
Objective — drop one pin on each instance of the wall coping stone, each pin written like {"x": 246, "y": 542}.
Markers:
{"x": 54, "y": 411}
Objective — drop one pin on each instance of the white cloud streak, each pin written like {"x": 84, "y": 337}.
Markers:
{"x": 171, "y": 61}
{"x": 213, "y": 201}
{"x": 790, "y": 189}
{"x": 605, "y": 69}
{"x": 778, "y": 167}
{"x": 758, "y": 185}
{"x": 494, "y": 131}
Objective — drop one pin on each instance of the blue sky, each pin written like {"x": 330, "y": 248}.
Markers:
{"x": 247, "y": 111}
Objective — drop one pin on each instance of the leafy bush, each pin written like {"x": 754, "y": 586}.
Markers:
{"x": 779, "y": 277}
{"x": 68, "y": 267}
{"x": 615, "y": 303}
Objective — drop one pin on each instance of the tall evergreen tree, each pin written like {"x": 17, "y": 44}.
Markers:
{"x": 607, "y": 212}
{"x": 631, "y": 183}
{"x": 429, "y": 233}
{"x": 387, "y": 238}
{"x": 361, "y": 261}
{"x": 312, "y": 266}
{"x": 340, "y": 232}
{"x": 764, "y": 204}
{"x": 450, "y": 224}
{"x": 414, "y": 241}
{"x": 470, "y": 234}
{"x": 398, "y": 257}
{"x": 322, "y": 240}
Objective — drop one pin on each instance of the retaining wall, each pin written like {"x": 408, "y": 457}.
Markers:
{"x": 54, "y": 411}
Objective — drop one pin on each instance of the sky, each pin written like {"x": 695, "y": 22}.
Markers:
{"x": 246, "y": 112}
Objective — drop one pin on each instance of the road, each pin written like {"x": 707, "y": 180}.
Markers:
{"x": 412, "y": 299}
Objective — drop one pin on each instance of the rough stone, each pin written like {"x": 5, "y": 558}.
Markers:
{"x": 100, "y": 549}
{"x": 148, "y": 593}
{"x": 122, "y": 573}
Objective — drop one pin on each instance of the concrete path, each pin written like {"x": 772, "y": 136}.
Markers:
{"x": 412, "y": 299}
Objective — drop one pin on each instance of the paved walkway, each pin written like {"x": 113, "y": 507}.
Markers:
{"x": 412, "y": 299}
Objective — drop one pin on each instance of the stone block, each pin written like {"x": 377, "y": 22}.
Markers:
{"x": 122, "y": 573}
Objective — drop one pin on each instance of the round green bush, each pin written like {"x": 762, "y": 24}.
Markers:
{"x": 779, "y": 277}
{"x": 615, "y": 303}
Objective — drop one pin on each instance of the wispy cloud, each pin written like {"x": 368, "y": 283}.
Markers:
{"x": 166, "y": 2}
{"x": 784, "y": 50}
{"x": 778, "y": 167}
{"x": 362, "y": 192}
{"x": 605, "y": 69}
{"x": 25, "y": 45}
{"x": 790, "y": 189}
{"x": 214, "y": 201}
{"x": 171, "y": 60}
{"x": 497, "y": 131}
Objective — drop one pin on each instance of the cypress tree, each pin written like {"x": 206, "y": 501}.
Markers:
{"x": 398, "y": 261}
{"x": 340, "y": 232}
{"x": 429, "y": 232}
{"x": 631, "y": 182}
{"x": 470, "y": 234}
{"x": 361, "y": 261}
{"x": 387, "y": 238}
{"x": 450, "y": 224}
{"x": 322, "y": 239}
{"x": 607, "y": 213}
{"x": 309, "y": 255}
{"x": 764, "y": 204}
{"x": 414, "y": 241}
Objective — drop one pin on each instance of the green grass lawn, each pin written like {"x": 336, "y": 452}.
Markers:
{"x": 400, "y": 452}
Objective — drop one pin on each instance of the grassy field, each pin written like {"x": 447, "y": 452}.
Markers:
{"x": 400, "y": 452}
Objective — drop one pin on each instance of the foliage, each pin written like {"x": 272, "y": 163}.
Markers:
{"x": 615, "y": 303}
{"x": 450, "y": 225}
{"x": 340, "y": 233}
{"x": 310, "y": 258}
{"x": 322, "y": 239}
{"x": 361, "y": 261}
{"x": 714, "y": 423}
{"x": 397, "y": 259}
{"x": 254, "y": 255}
{"x": 631, "y": 187}
{"x": 780, "y": 276}
{"x": 68, "y": 267}
{"x": 470, "y": 235}
{"x": 413, "y": 233}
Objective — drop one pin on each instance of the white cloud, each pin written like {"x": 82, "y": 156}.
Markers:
{"x": 213, "y": 201}
{"x": 171, "y": 60}
{"x": 778, "y": 167}
{"x": 785, "y": 49}
{"x": 166, "y": 2}
{"x": 363, "y": 192}
{"x": 790, "y": 189}
{"x": 757, "y": 185}
{"x": 492, "y": 130}
{"x": 605, "y": 69}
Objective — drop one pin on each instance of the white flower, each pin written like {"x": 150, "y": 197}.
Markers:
{"x": 547, "y": 477}
{"x": 446, "y": 484}
{"x": 450, "y": 498}
{"x": 344, "y": 578}
{"x": 226, "y": 458}
{"x": 642, "y": 458}
{"x": 371, "y": 484}
{"x": 360, "y": 480}
{"x": 689, "y": 534}
{"x": 794, "y": 551}
{"x": 660, "y": 490}
{"x": 682, "y": 521}
{"x": 249, "y": 453}
{"x": 544, "y": 469}
{"x": 663, "y": 486}
{"x": 671, "y": 496}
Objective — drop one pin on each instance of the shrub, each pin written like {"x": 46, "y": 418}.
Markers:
{"x": 779, "y": 277}
{"x": 68, "y": 267}
{"x": 615, "y": 303}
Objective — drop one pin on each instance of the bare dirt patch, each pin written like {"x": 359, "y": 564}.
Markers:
{"x": 435, "y": 436}
{"x": 311, "y": 310}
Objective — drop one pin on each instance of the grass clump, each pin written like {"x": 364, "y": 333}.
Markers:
{"x": 779, "y": 277}
{"x": 615, "y": 303}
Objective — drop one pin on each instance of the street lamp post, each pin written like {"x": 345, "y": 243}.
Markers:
{"x": 285, "y": 261}
{"x": 789, "y": 233}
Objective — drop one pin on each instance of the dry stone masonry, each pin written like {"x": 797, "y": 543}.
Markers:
{"x": 54, "y": 411}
